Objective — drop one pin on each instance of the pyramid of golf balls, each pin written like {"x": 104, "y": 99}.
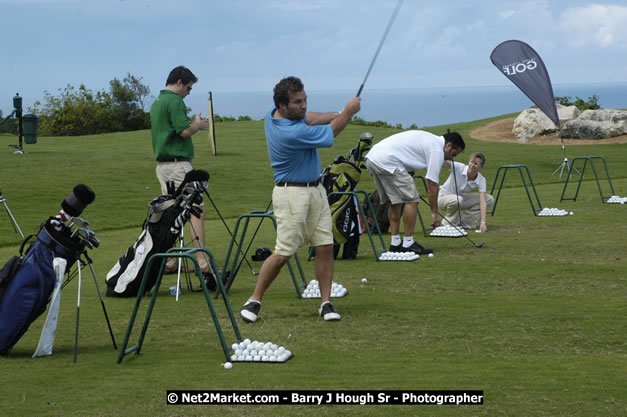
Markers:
{"x": 617, "y": 200}
{"x": 448, "y": 231}
{"x": 254, "y": 351}
{"x": 398, "y": 256}
{"x": 313, "y": 290}
{"x": 553, "y": 212}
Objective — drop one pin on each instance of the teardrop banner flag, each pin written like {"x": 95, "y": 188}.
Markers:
{"x": 522, "y": 65}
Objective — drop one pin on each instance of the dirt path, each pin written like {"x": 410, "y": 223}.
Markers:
{"x": 501, "y": 131}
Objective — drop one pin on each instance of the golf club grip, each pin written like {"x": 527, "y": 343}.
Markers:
{"x": 360, "y": 88}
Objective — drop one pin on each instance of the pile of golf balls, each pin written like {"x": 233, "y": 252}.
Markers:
{"x": 398, "y": 256}
{"x": 448, "y": 231}
{"x": 313, "y": 290}
{"x": 617, "y": 200}
{"x": 553, "y": 212}
{"x": 255, "y": 351}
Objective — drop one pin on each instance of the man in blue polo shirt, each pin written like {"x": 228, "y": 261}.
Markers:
{"x": 300, "y": 202}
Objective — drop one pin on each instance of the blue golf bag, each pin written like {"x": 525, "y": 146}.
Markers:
{"x": 27, "y": 281}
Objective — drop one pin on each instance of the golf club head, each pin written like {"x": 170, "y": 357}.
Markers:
{"x": 480, "y": 244}
{"x": 78, "y": 222}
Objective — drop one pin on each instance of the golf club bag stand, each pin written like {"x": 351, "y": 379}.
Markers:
{"x": 160, "y": 259}
{"x": 237, "y": 239}
{"x": 585, "y": 160}
{"x": 16, "y": 226}
{"x": 76, "y": 272}
{"x": 522, "y": 170}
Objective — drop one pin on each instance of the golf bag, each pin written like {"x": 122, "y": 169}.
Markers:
{"x": 167, "y": 214}
{"x": 27, "y": 281}
{"x": 380, "y": 211}
{"x": 343, "y": 175}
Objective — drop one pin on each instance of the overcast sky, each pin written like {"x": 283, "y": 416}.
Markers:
{"x": 249, "y": 45}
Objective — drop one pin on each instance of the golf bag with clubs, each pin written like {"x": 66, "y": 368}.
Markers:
{"x": 343, "y": 175}
{"x": 167, "y": 214}
{"x": 28, "y": 280}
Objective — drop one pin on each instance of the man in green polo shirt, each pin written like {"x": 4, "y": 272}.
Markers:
{"x": 172, "y": 144}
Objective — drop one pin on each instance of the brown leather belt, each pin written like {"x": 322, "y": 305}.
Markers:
{"x": 299, "y": 184}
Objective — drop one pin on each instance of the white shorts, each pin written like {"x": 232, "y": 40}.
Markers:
{"x": 303, "y": 218}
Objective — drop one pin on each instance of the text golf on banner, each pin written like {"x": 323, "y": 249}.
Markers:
{"x": 523, "y": 66}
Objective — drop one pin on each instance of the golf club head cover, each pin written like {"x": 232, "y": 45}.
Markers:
{"x": 76, "y": 202}
{"x": 191, "y": 176}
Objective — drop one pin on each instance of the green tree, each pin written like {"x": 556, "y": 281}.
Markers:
{"x": 75, "y": 112}
{"x": 591, "y": 104}
{"x": 82, "y": 112}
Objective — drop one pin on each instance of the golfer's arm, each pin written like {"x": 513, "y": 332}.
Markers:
{"x": 314, "y": 118}
{"x": 484, "y": 206}
{"x": 193, "y": 128}
{"x": 433, "y": 188}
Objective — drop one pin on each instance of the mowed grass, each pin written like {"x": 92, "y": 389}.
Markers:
{"x": 535, "y": 318}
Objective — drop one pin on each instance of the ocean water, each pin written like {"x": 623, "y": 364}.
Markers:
{"x": 423, "y": 107}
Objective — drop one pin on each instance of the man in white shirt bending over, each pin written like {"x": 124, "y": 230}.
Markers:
{"x": 390, "y": 163}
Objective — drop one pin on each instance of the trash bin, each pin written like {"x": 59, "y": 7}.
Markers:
{"x": 30, "y": 125}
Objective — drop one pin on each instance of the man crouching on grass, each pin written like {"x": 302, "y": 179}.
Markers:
{"x": 299, "y": 200}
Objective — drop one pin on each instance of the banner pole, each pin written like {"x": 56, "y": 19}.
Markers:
{"x": 212, "y": 131}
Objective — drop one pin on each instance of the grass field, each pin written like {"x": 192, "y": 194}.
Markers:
{"x": 535, "y": 318}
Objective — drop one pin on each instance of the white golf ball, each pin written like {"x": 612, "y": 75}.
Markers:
{"x": 430, "y": 255}
{"x": 364, "y": 280}
{"x": 228, "y": 365}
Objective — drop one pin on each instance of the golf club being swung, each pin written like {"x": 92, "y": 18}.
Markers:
{"x": 385, "y": 34}
{"x": 462, "y": 232}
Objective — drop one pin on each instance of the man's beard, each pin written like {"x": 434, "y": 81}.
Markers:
{"x": 294, "y": 116}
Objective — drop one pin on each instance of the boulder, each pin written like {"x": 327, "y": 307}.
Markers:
{"x": 596, "y": 124}
{"x": 592, "y": 129}
{"x": 567, "y": 112}
{"x": 605, "y": 115}
{"x": 532, "y": 122}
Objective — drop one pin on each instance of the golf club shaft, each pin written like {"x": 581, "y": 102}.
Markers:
{"x": 462, "y": 232}
{"x": 385, "y": 34}
{"x": 459, "y": 209}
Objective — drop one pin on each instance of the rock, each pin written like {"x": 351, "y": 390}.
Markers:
{"x": 596, "y": 124}
{"x": 592, "y": 129}
{"x": 590, "y": 124}
{"x": 532, "y": 122}
{"x": 604, "y": 115}
{"x": 567, "y": 112}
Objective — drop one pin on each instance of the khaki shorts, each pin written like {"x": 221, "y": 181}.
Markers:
{"x": 172, "y": 171}
{"x": 398, "y": 187}
{"x": 303, "y": 218}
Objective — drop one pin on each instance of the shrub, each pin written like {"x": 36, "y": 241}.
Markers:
{"x": 82, "y": 112}
{"x": 591, "y": 104}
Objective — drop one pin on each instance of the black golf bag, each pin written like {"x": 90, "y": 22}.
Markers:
{"x": 27, "y": 280}
{"x": 343, "y": 175}
{"x": 167, "y": 214}
{"x": 380, "y": 211}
